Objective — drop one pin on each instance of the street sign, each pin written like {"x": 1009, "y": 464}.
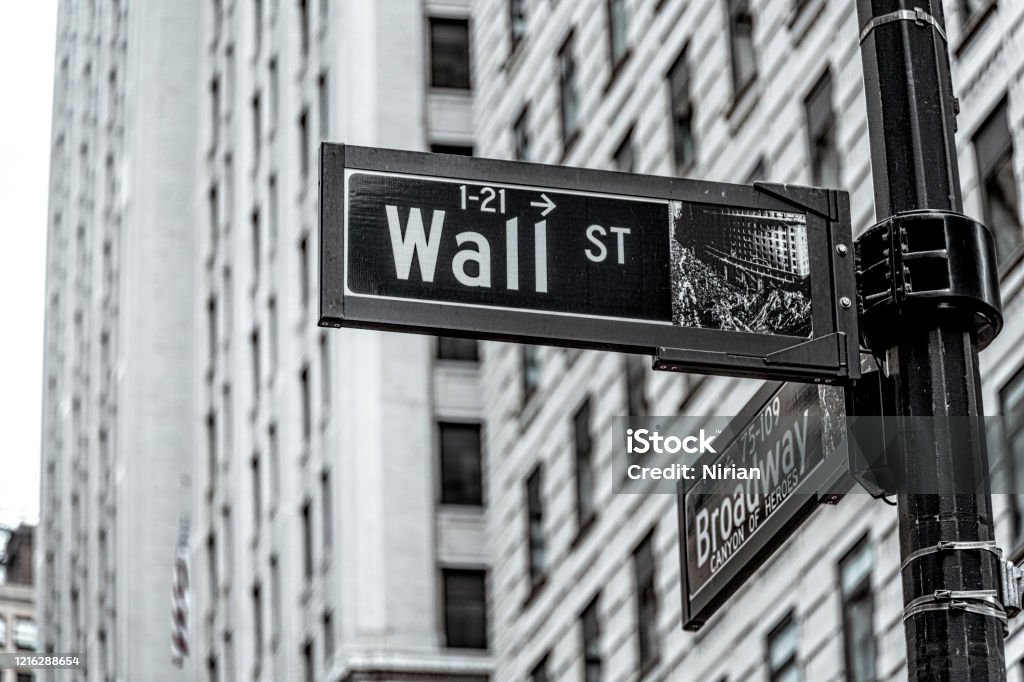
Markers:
{"x": 710, "y": 277}
{"x": 795, "y": 436}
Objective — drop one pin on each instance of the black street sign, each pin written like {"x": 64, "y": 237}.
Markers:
{"x": 750, "y": 281}
{"x": 795, "y": 436}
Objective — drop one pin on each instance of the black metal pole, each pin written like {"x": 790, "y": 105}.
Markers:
{"x": 931, "y": 355}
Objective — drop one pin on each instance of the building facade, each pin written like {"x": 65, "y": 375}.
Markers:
{"x": 119, "y": 386}
{"x": 586, "y": 583}
{"x": 328, "y": 485}
{"x": 339, "y": 509}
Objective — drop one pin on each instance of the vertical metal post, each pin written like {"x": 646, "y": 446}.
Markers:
{"x": 931, "y": 359}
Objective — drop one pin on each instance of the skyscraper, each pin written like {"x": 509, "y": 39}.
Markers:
{"x": 331, "y": 482}
{"x": 588, "y": 581}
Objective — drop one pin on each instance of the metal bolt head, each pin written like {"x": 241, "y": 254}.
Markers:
{"x": 842, "y": 249}
{"x": 845, "y": 302}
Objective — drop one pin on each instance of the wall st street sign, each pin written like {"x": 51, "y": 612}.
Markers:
{"x": 750, "y": 281}
{"x": 795, "y": 436}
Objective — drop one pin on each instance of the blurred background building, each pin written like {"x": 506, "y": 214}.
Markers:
{"x": 119, "y": 398}
{"x": 350, "y": 518}
{"x": 333, "y": 484}
{"x": 586, "y": 583}
{"x": 18, "y": 629}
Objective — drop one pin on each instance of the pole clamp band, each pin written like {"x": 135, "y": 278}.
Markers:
{"x": 948, "y": 545}
{"x": 916, "y": 15}
{"x": 980, "y": 602}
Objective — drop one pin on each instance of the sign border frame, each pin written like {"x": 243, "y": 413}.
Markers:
{"x": 826, "y": 483}
{"x": 824, "y": 356}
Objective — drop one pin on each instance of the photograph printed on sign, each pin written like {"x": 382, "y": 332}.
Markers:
{"x": 740, "y": 269}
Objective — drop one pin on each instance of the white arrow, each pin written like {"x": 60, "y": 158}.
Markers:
{"x": 547, "y": 204}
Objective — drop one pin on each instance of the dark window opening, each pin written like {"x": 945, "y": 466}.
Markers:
{"x": 993, "y": 148}
{"x": 451, "y": 348}
{"x": 821, "y": 129}
{"x": 461, "y": 464}
{"x": 858, "y": 613}
{"x": 591, "y": 625}
{"x": 536, "y": 542}
{"x": 449, "y": 53}
{"x": 586, "y": 480}
{"x": 569, "y": 93}
{"x": 623, "y": 160}
{"x": 741, "y": 41}
{"x": 682, "y": 114}
{"x": 783, "y": 664}
{"x": 465, "y": 608}
{"x": 647, "y": 602}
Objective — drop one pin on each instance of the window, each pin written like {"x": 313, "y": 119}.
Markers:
{"x": 1011, "y": 402}
{"x": 214, "y": 112}
{"x": 585, "y": 478}
{"x": 449, "y": 53}
{"x": 304, "y": 27}
{"x": 25, "y": 634}
{"x": 783, "y": 665}
{"x": 682, "y": 114}
{"x": 328, "y": 625}
{"x": 521, "y": 136}
{"x": 821, "y": 133}
{"x": 308, "y": 671}
{"x": 257, "y": 246}
{"x": 970, "y": 8}
{"x": 623, "y": 160}
{"x": 272, "y": 323}
{"x": 591, "y": 627}
{"x": 324, "y": 102}
{"x": 450, "y": 348}
{"x": 272, "y": 211}
{"x": 636, "y": 386}
{"x": 535, "y": 524}
{"x": 257, "y": 492}
{"x": 257, "y": 26}
{"x": 465, "y": 608}
{"x": 530, "y": 357}
{"x": 858, "y": 613}
{"x": 211, "y": 328}
{"x": 274, "y": 85}
{"x": 325, "y": 373}
{"x": 275, "y": 466}
{"x": 327, "y": 505}
{"x": 212, "y": 574}
{"x": 257, "y": 622}
{"x": 3, "y": 632}
{"x": 1000, "y": 201}
{"x": 540, "y": 671}
{"x": 461, "y": 465}
{"x": 304, "y": 143}
{"x": 257, "y": 130}
{"x": 618, "y": 31}
{"x": 569, "y": 94}
{"x": 453, "y": 149}
{"x": 646, "y": 602}
{"x": 741, "y": 42}
{"x": 307, "y": 543}
{"x": 275, "y": 599}
{"x": 517, "y": 21}
{"x": 254, "y": 350}
{"x": 307, "y": 408}
{"x": 304, "y": 270}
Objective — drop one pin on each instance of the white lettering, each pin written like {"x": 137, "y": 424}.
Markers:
{"x": 415, "y": 244}
{"x": 482, "y": 257}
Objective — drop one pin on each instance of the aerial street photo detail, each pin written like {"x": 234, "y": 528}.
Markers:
{"x": 512, "y": 341}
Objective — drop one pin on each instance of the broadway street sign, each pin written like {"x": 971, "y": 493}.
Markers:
{"x": 750, "y": 281}
{"x": 793, "y": 436}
